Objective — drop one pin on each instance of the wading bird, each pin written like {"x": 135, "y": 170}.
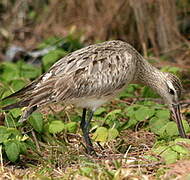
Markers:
{"x": 92, "y": 76}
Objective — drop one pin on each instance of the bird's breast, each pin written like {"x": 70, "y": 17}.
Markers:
{"x": 90, "y": 102}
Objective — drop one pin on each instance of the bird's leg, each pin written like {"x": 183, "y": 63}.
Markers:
{"x": 85, "y": 129}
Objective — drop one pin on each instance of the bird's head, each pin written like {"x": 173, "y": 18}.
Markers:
{"x": 171, "y": 92}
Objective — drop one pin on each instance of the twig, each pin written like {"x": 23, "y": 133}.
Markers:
{"x": 1, "y": 159}
{"x": 36, "y": 141}
{"x": 144, "y": 165}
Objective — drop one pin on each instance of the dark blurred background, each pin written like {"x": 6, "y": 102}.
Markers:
{"x": 153, "y": 27}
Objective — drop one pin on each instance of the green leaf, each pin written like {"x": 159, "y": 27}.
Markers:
{"x": 23, "y": 148}
{"x": 12, "y": 150}
{"x": 148, "y": 93}
{"x": 161, "y": 131}
{"x": 170, "y": 156}
{"x": 128, "y": 92}
{"x": 100, "y": 134}
{"x": 14, "y": 132}
{"x": 186, "y": 126}
{"x": 28, "y": 70}
{"x": 156, "y": 124}
{"x": 3, "y": 130}
{"x": 17, "y": 84}
{"x": 113, "y": 113}
{"x": 112, "y": 134}
{"x": 144, "y": 113}
{"x": 56, "y": 127}
{"x": 130, "y": 123}
{"x": 163, "y": 113}
{"x": 36, "y": 120}
{"x": 99, "y": 111}
{"x": 52, "y": 57}
{"x": 130, "y": 110}
{"x": 167, "y": 153}
{"x": 182, "y": 140}
{"x": 71, "y": 127}
{"x": 15, "y": 112}
{"x": 4, "y": 135}
{"x": 171, "y": 129}
{"x": 9, "y": 71}
{"x": 180, "y": 149}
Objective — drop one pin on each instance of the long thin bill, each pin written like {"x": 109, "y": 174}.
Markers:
{"x": 177, "y": 116}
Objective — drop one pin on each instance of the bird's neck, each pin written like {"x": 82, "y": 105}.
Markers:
{"x": 149, "y": 75}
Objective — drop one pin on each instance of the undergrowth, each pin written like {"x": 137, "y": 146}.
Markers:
{"x": 133, "y": 135}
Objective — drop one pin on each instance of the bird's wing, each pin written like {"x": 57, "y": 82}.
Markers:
{"x": 98, "y": 75}
{"x": 94, "y": 70}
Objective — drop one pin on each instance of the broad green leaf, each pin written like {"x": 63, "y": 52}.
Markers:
{"x": 56, "y": 127}
{"x": 156, "y": 124}
{"x": 49, "y": 41}
{"x": 71, "y": 127}
{"x": 15, "y": 112}
{"x": 52, "y": 57}
{"x": 169, "y": 156}
{"x": 144, "y": 113}
{"x": 160, "y": 149}
{"x": 22, "y": 146}
{"x": 12, "y": 150}
{"x": 3, "y": 130}
{"x": 4, "y": 135}
{"x": 167, "y": 153}
{"x": 112, "y": 134}
{"x": 14, "y": 131}
{"x": 130, "y": 111}
{"x": 171, "y": 129}
{"x": 163, "y": 113}
{"x": 161, "y": 131}
{"x": 180, "y": 149}
{"x": 148, "y": 93}
{"x": 173, "y": 70}
{"x": 36, "y": 120}
{"x": 100, "y": 134}
{"x": 186, "y": 126}
{"x": 9, "y": 71}
{"x": 182, "y": 140}
{"x": 130, "y": 123}
{"x": 17, "y": 84}
{"x": 129, "y": 91}
{"x": 113, "y": 113}
{"x": 28, "y": 70}
{"x": 99, "y": 111}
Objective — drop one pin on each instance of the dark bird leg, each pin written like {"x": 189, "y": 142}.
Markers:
{"x": 85, "y": 129}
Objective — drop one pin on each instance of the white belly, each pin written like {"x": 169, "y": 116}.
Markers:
{"x": 91, "y": 103}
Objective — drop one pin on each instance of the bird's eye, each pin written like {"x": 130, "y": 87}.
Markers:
{"x": 171, "y": 91}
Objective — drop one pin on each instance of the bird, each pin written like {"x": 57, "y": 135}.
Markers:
{"x": 92, "y": 76}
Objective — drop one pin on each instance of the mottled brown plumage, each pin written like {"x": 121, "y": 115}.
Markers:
{"x": 93, "y": 75}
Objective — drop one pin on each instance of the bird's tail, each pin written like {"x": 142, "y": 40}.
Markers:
{"x": 24, "y": 102}
{"x": 22, "y": 92}
{"x": 19, "y": 104}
